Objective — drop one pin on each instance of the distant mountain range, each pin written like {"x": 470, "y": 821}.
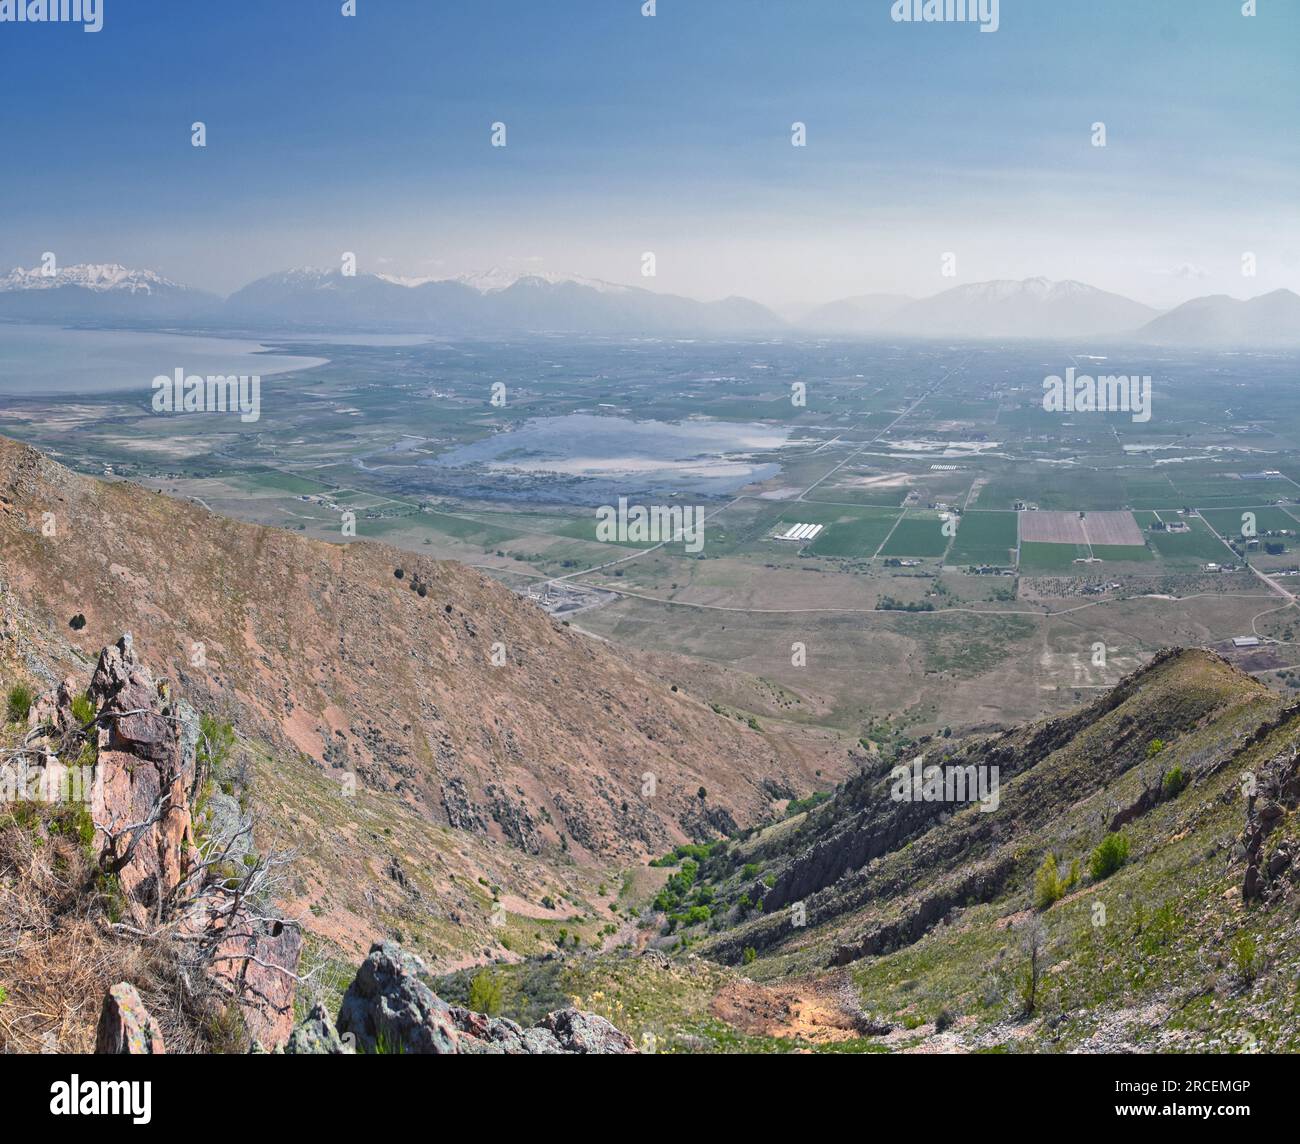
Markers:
{"x": 99, "y": 291}
{"x": 531, "y": 303}
{"x": 1033, "y": 308}
{"x": 1218, "y": 320}
{"x": 500, "y": 302}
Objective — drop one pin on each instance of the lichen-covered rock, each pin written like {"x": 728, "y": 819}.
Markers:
{"x": 579, "y": 1032}
{"x": 389, "y": 1007}
{"x": 316, "y": 1036}
{"x": 126, "y": 1026}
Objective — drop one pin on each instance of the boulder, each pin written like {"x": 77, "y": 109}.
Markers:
{"x": 389, "y": 1007}
{"x": 126, "y": 1026}
{"x": 53, "y": 709}
{"x": 316, "y": 1036}
{"x": 579, "y": 1032}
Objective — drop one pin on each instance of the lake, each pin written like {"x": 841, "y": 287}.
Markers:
{"x": 699, "y": 453}
{"x": 37, "y": 361}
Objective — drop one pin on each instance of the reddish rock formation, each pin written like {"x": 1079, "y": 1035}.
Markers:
{"x": 147, "y": 774}
{"x": 126, "y": 1026}
{"x": 256, "y": 961}
{"x": 141, "y": 776}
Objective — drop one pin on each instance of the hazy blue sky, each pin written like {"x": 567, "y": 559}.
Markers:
{"x": 669, "y": 134}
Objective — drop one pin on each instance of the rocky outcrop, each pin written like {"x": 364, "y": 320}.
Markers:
{"x": 145, "y": 770}
{"x": 255, "y": 960}
{"x": 564, "y": 1031}
{"x": 391, "y": 1007}
{"x": 316, "y": 1036}
{"x": 1270, "y": 865}
{"x": 146, "y": 778}
{"x": 126, "y": 1026}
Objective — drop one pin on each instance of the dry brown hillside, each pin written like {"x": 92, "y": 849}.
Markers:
{"x": 328, "y": 653}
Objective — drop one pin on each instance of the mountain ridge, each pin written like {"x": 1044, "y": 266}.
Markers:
{"x": 500, "y": 303}
{"x": 1271, "y": 319}
{"x": 462, "y": 698}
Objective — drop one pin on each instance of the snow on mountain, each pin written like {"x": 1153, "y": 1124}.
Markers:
{"x": 99, "y": 277}
{"x": 496, "y": 278}
{"x": 99, "y": 291}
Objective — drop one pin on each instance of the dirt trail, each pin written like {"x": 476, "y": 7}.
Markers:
{"x": 808, "y": 1011}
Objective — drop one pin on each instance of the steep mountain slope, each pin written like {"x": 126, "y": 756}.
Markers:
{"x": 460, "y": 698}
{"x": 942, "y": 926}
{"x": 1218, "y": 320}
{"x": 365, "y": 863}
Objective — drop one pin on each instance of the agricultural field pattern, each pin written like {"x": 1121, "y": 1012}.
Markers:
{"x": 979, "y": 561}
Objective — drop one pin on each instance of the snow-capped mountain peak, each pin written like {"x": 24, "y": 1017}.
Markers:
{"x": 1001, "y": 289}
{"x": 99, "y": 277}
{"x": 496, "y": 278}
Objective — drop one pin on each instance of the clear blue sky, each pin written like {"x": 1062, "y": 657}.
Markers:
{"x": 669, "y": 134}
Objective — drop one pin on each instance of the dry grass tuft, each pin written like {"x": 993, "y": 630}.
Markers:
{"x": 59, "y": 953}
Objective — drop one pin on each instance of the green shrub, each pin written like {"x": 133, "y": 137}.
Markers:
{"x": 1155, "y": 747}
{"x": 1175, "y": 781}
{"x": 1108, "y": 857}
{"x": 1049, "y": 886}
{"x": 799, "y": 805}
{"x": 19, "y": 705}
{"x": 485, "y": 993}
{"x": 1245, "y": 956}
{"x": 749, "y": 955}
{"x": 74, "y": 822}
{"x": 83, "y": 710}
{"x": 227, "y": 1033}
{"x": 216, "y": 741}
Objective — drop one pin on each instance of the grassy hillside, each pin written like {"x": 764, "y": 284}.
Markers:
{"x": 1104, "y": 904}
